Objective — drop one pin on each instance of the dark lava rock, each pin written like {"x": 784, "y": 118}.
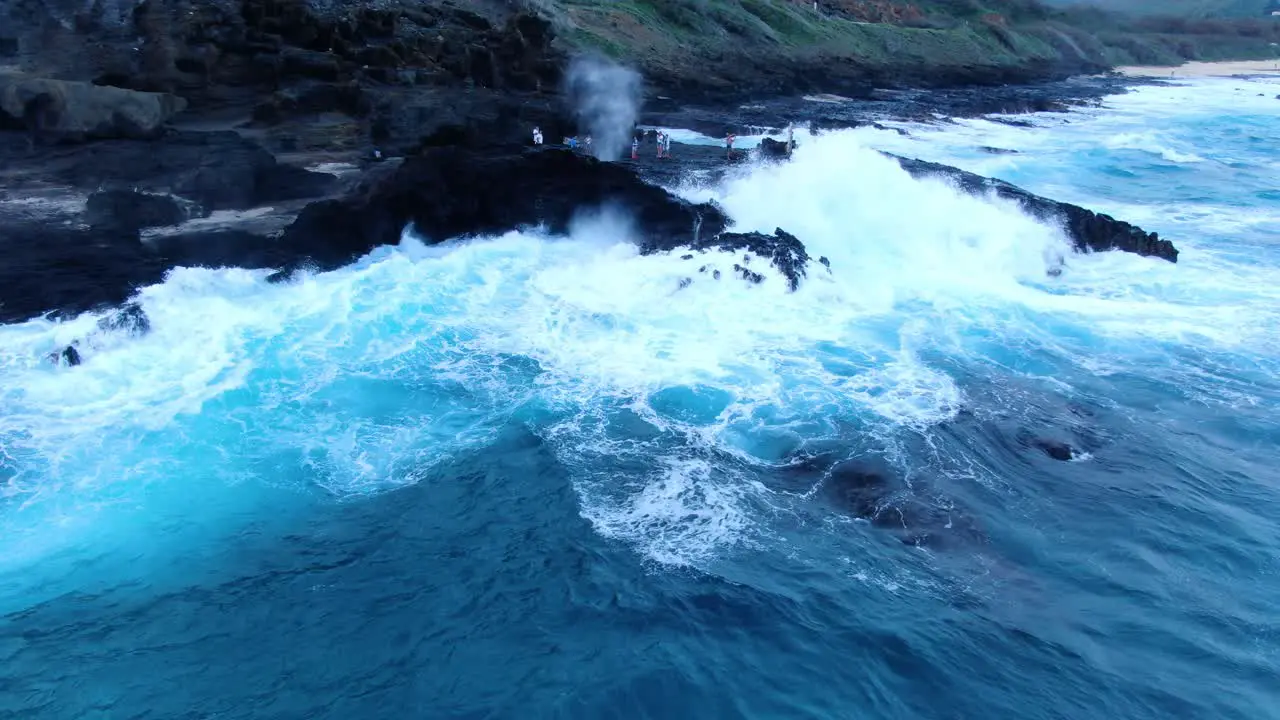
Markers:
{"x": 52, "y": 266}
{"x": 225, "y": 247}
{"x": 445, "y": 193}
{"x": 58, "y": 110}
{"x": 407, "y": 122}
{"x": 876, "y": 494}
{"x": 1089, "y": 231}
{"x": 861, "y": 490}
{"x": 215, "y": 170}
{"x": 131, "y": 211}
{"x": 129, "y": 319}
{"x": 774, "y": 148}
{"x": 784, "y": 251}
{"x": 70, "y": 356}
{"x": 752, "y": 277}
{"x": 452, "y": 192}
{"x": 997, "y": 151}
{"x": 69, "y": 269}
{"x": 1054, "y": 448}
{"x": 310, "y": 98}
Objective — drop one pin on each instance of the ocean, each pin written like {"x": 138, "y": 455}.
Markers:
{"x": 535, "y": 477}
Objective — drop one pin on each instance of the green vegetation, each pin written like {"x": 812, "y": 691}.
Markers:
{"x": 1182, "y": 8}
{"x": 915, "y": 41}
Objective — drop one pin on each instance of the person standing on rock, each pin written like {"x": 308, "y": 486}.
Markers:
{"x": 537, "y": 136}
{"x": 728, "y": 144}
{"x": 586, "y": 143}
{"x": 658, "y": 141}
{"x": 666, "y": 146}
{"x": 635, "y": 148}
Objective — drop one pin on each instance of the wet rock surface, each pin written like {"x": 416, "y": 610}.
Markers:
{"x": 782, "y": 250}
{"x": 216, "y": 110}
{"x": 131, "y": 211}
{"x": 450, "y": 192}
{"x": 1089, "y": 231}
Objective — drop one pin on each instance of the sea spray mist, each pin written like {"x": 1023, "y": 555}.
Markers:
{"x": 605, "y": 98}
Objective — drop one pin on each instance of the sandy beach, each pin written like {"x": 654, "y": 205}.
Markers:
{"x": 1205, "y": 69}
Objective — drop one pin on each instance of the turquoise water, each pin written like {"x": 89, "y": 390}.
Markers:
{"x": 531, "y": 477}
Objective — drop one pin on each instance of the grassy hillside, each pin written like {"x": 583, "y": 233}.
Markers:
{"x": 665, "y": 27}
{"x": 1182, "y": 8}
{"x": 911, "y": 41}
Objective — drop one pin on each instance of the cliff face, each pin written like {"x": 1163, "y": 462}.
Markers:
{"x": 322, "y": 54}
{"x": 219, "y": 51}
{"x": 211, "y": 50}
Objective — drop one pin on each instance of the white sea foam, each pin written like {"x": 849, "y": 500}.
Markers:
{"x": 335, "y": 168}
{"x": 683, "y": 513}
{"x": 366, "y": 377}
{"x": 1151, "y": 142}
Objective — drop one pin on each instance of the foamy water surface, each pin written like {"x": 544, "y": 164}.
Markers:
{"x": 533, "y": 476}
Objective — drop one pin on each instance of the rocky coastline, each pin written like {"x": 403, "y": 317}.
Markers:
{"x": 265, "y": 134}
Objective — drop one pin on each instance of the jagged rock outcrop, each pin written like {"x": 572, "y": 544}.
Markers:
{"x": 131, "y": 211}
{"x": 214, "y": 170}
{"x": 771, "y": 148}
{"x": 1089, "y": 231}
{"x": 62, "y": 111}
{"x": 452, "y": 192}
{"x": 449, "y": 192}
{"x": 782, "y": 250}
{"x": 130, "y": 319}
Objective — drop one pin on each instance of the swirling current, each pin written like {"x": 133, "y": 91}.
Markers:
{"x": 529, "y": 476}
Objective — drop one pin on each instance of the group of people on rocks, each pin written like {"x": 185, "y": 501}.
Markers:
{"x": 662, "y": 141}
{"x": 572, "y": 142}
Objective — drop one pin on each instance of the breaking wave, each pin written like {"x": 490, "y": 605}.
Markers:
{"x": 676, "y": 411}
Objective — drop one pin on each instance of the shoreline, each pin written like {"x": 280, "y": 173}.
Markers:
{"x": 1232, "y": 68}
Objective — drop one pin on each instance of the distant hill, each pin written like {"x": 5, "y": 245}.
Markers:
{"x": 1182, "y": 8}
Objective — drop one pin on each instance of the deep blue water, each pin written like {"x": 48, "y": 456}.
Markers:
{"x": 528, "y": 477}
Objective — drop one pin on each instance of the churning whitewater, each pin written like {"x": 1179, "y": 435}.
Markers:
{"x": 545, "y": 476}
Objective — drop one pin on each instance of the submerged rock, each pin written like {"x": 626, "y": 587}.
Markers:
{"x": 1089, "y": 231}
{"x": 1055, "y": 449}
{"x": 878, "y": 495}
{"x": 869, "y": 488}
{"x": 860, "y": 489}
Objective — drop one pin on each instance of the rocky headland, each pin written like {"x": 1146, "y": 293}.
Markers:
{"x": 288, "y": 134}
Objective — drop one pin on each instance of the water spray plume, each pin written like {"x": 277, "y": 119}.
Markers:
{"x": 605, "y": 98}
